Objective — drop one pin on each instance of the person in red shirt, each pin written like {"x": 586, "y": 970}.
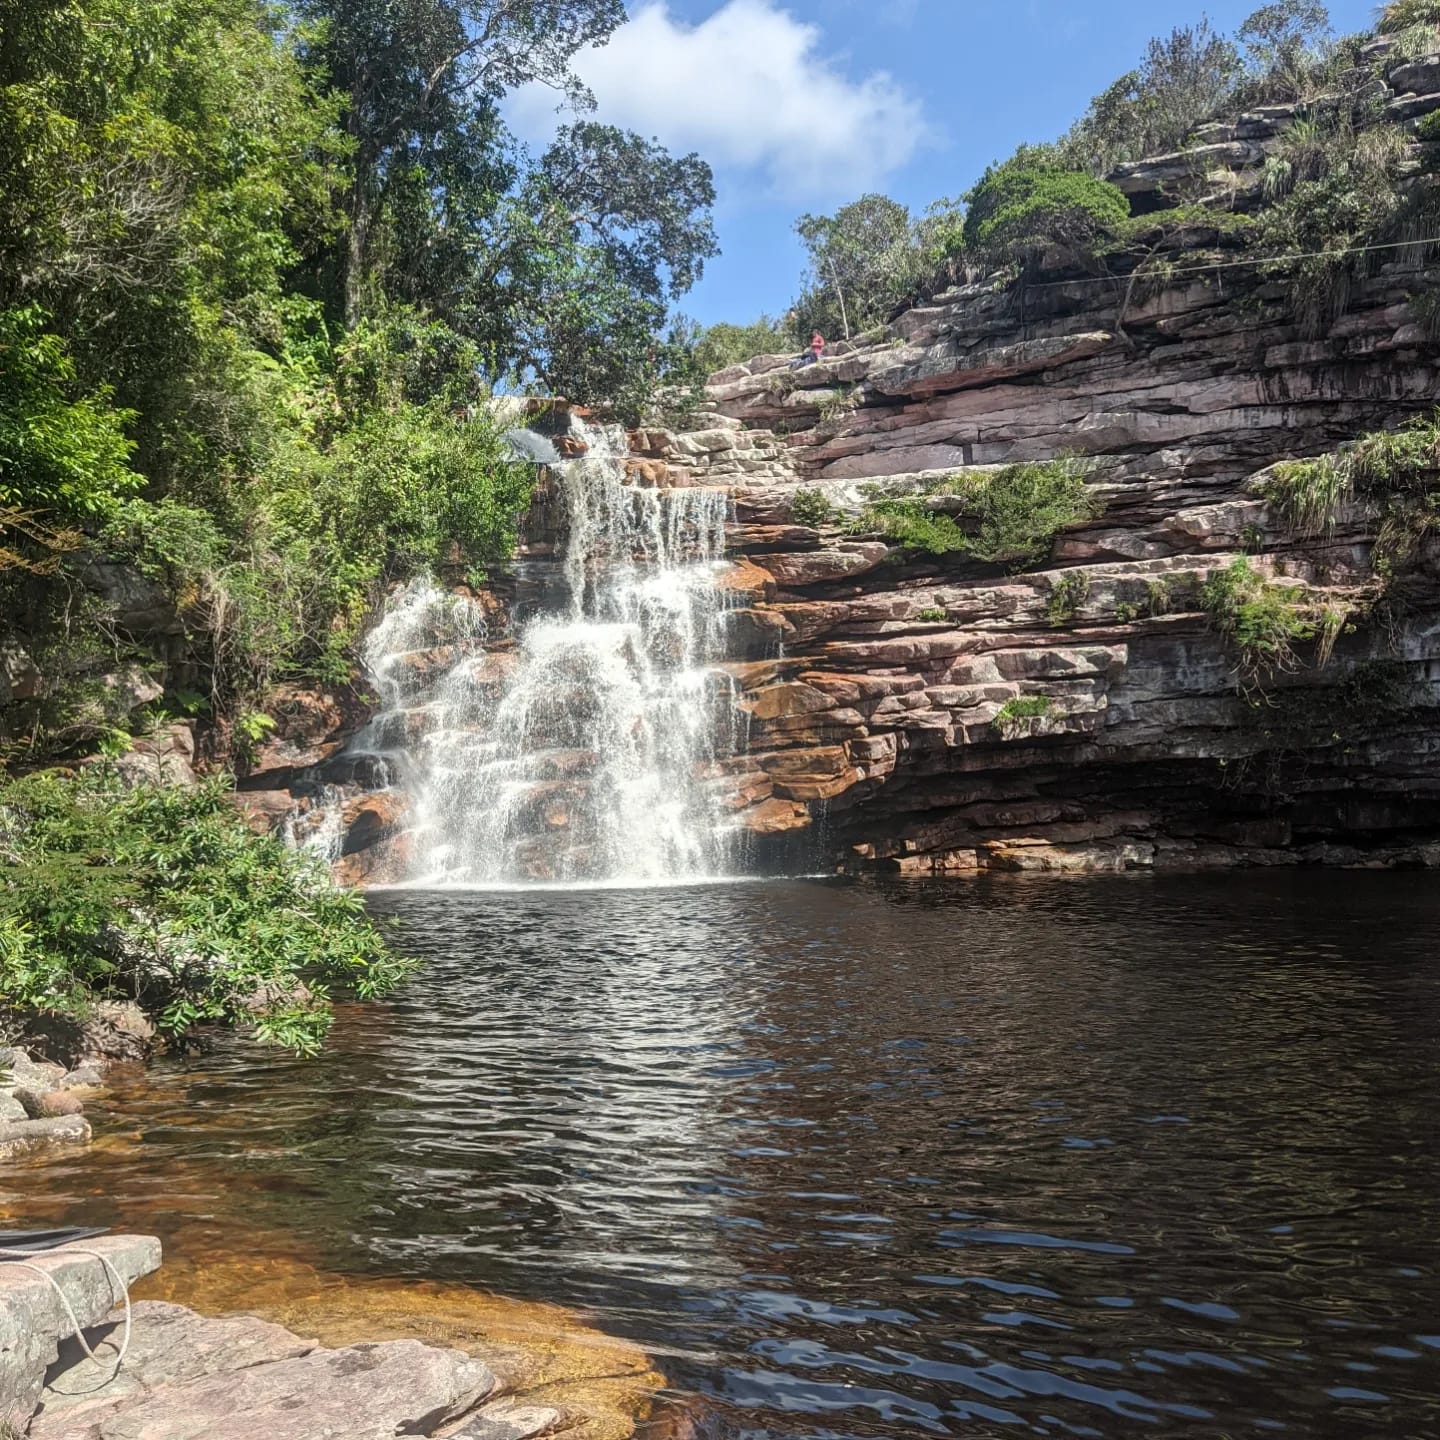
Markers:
{"x": 813, "y": 354}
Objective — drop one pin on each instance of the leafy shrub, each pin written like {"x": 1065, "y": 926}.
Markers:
{"x": 842, "y": 402}
{"x": 717, "y": 346}
{"x": 812, "y": 507}
{"x": 932, "y": 614}
{"x": 1014, "y": 514}
{"x": 1263, "y": 619}
{"x": 1067, "y": 595}
{"x": 864, "y": 261}
{"x": 1022, "y": 508}
{"x": 1335, "y": 193}
{"x": 1022, "y": 707}
{"x": 914, "y": 525}
{"x": 1182, "y": 80}
{"x": 1023, "y": 208}
{"x": 1429, "y": 126}
{"x": 162, "y": 895}
{"x": 63, "y": 453}
{"x": 1396, "y": 471}
{"x": 1285, "y": 49}
{"x": 1402, "y": 14}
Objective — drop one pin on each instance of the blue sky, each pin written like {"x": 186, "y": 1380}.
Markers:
{"x": 802, "y": 105}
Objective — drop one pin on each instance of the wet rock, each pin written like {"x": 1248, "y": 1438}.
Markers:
{"x": 264, "y": 811}
{"x": 49, "y": 1104}
{"x": 385, "y": 863}
{"x": 509, "y": 1420}
{"x": 369, "y": 819}
{"x": 20, "y": 1137}
{"x": 311, "y": 726}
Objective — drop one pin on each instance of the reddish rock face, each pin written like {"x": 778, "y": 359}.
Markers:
{"x": 368, "y": 819}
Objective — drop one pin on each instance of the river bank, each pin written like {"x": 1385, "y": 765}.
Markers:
{"x": 250, "y": 1338}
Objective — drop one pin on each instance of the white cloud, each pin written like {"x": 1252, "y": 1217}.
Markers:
{"x": 750, "y": 91}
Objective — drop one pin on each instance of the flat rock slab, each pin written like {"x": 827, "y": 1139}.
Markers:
{"x": 509, "y": 1420}
{"x": 169, "y": 1345}
{"x": 18, "y": 1137}
{"x": 33, "y": 1320}
{"x": 361, "y": 1392}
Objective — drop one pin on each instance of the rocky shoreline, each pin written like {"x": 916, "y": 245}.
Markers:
{"x": 379, "y": 1367}
{"x": 164, "y": 1372}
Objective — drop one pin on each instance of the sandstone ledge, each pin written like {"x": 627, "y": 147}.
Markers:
{"x": 186, "y": 1375}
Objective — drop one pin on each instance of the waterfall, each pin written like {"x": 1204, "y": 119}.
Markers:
{"x": 575, "y": 750}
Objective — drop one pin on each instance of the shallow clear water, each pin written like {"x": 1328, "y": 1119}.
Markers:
{"x": 1095, "y": 1157}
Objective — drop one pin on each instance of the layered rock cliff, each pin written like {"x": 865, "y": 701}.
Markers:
{"x": 934, "y": 712}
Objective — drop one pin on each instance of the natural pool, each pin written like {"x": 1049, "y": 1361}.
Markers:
{"x": 1073, "y": 1156}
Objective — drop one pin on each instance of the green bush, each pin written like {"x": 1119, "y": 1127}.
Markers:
{"x": 1022, "y": 508}
{"x": 812, "y": 507}
{"x": 717, "y": 346}
{"x": 1334, "y": 191}
{"x": 1014, "y": 514}
{"x": 1429, "y": 126}
{"x": 1066, "y": 597}
{"x": 1397, "y": 472}
{"x": 913, "y": 525}
{"x": 162, "y": 895}
{"x": 1023, "y": 707}
{"x": 1182, "y": 79}
{"x": 63, "y": 452}
{"x": 1021, "y": 209}
{"x": 1402, "y": 14}
{"x": 1265, "y": 620}
{"x": 932, "y": 614}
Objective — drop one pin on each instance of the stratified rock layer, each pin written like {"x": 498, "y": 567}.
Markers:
{"x": 877, "y": 683}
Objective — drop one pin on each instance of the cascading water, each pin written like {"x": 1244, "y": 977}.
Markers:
{"x": 577, "y": 753}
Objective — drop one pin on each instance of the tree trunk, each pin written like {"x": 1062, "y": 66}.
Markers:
{"x": 361, "y": 210}
{"x": 357, "y": 248}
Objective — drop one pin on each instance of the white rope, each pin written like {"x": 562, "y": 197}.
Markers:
{"x": 13, "y": 1257}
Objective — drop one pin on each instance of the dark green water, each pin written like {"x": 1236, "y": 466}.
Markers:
{"x": 1089, "y": 1157}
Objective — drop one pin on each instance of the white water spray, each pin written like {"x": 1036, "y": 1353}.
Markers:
{"x": 578, "y": 753}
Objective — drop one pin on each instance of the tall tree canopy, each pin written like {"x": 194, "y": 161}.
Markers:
{"x": 258, "y": 263}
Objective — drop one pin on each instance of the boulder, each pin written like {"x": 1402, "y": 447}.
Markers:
{"x": 49, "y": 1104}
{"x": 369, "y": 819}
{"x": 20, "y": 1137}
{"x": 169, "y": 1346}
{"x": 109, "y": 1030}
{"x": 509, "y": 1420}
{"x": 360, "y": 1392}
{"x": 33, "y": 1319}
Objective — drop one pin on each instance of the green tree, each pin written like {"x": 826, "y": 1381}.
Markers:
{"x": 864, "y": 260}
{"x": 1029, "y": 206}
{"x": 1283, "y": 42}
{"x": 420, "y": 82}
{"x": 1182, "y": 80}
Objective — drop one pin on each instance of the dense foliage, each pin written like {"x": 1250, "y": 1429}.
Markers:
{"x": 162, "y": 896}
{"x": 1011, "y": 515}
{"x": 1265, "y": 620}
{"x": 1021, "y": 210}
{"x": 261, "y": 267}
{"x": 1393, "y": 474}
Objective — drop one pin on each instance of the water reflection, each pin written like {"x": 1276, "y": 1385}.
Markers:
{"x": 1071, "y": 1157}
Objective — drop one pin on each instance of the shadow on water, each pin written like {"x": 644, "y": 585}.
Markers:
{"x": 1092, "y": 1156}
